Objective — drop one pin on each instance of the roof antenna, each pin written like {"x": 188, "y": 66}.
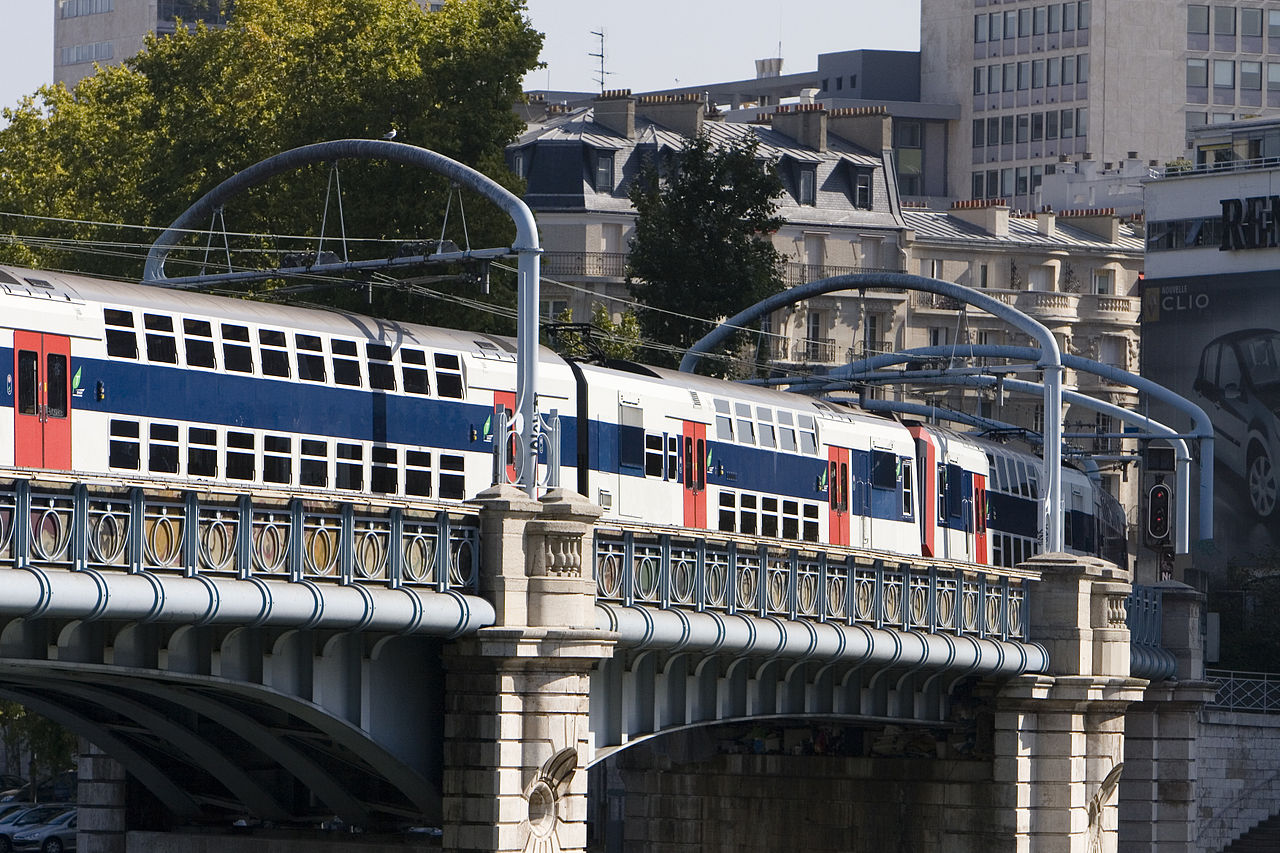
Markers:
{"x": 603, "y": 73}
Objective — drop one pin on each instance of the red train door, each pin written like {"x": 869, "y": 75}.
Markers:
{"x": 694, "y": 458}
{"x": 838, "y": 494}
{"x": 507, "y": 400}
{"x": 981, "y": 556}
{"x": 42, "y": 401}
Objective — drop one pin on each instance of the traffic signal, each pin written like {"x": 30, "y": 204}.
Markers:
{"x": 1159, "y": 503}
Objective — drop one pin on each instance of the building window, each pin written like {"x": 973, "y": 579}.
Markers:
{"x": 604, "y": 171}
{"x": 1068, "y": 70}
{"x": 1038, "y": 24}
{"x": 1104, "y": 282}
{"x": 1082, "y": 121}
{"x": 1037, "y": 127}
{"x": 1224, "y": 20}
{"x": 79, "y": 8}
{"x": 1082, "y": 68}
{"x": 1251, "y": 76}
{"x": 101, "y": 51}
{"x": 995, "y": 26}
{"x": 1224, "y": 74}
{"x": 979, "y": 79}
{"x": 1197, "y": 119}
{"x": 1273, "y": 23}
{"x": 517, "y": 164}
{"x": 1273, "y": 77}
{"x": 1053, "y": 72}
{"x": 979, "y": 133}
{"x": 1024, "y": 76}
{"x": 1055, "y": 17}
{"x": 1198, "y": 20}
{"x": 808, "y": 183}
{"x": 1251, "y": 22}
{"x": 1024, "y": 127}
{"x": 1198, "y": 72}
{"x": 977, "y": 189}
{"x": 1010, "y": 76}
{"x": 979, "y": 31}
{"x": 1037, "y": 74}
{"x": 862, "y": 190}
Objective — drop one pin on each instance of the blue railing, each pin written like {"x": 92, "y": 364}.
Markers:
{"x": 770, "y": 579}
{"x": 114, "y": 527}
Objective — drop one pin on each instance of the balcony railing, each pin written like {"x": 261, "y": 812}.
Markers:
{"x": 1122, "y": 309}
{"x": 867, "y": 349}
{"x": 798, "y": 273}
{"x": 816, "y": 350}
{"x": 585, "y": 264}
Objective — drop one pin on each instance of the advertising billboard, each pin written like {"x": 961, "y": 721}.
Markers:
{"x": 1215, "y": 340}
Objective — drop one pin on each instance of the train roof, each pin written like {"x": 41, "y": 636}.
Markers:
{"x": 71, "y": 287}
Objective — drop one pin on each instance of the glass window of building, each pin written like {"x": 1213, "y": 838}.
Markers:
{"x": 1273, "y": 76}
{"x": 1224, "y": 74}
{"x": 1250, "y": 75}
{"x": 1197, "y": 72}
{"x": 1037, "y": 74}
{"x": 1055, "y": 17}
{"x": 979, "y": 30}
{"x": 1224, "y": 20}
{"x": 1039, "y": 21}
{"x": 1251, "y": 22}
{"x": 1198, "y": 20}
{"x": 1082, "y": 68}
{"x": 1273, "y": 23}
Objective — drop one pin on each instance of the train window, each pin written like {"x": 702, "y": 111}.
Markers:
{"x": 790, "y": 520}
{"x": 884, "y": 470}
{"x": 908, "y": 485}
{"x": 202, "y": 452}
{"x": 955, "y": 491}
{"x": 240, "y": 455}
{"x": 630, "y": 439}
{"x": 811, "y": 522}
{"x": 236, "y": 354}
{"x": 767, "y": 435}
{"x": 747, "y": 519}
{"x": 122, "y": 341}
{"x": 28, "y": 381}
{"x": 277, "y": 459}
{"x": 808, "y": 435}
{"x": 1033, "y": 482}
{"x": 942, "y": 493}
{"x": 197, "y": 339}
{"x": 1024, "y": 484}
{"x": 769, "y": 516}
{"x": 310, "y": 358}
{"x": 417, "y": 473}
{"x": 448, "y": 375}
{"x": 56, "y": 379}
{"x": 382, "y": 373}
{"x": 786, "y": 432}
{"x": 453, "y": 483}
{"x": 384, "y": 472}
{"x": 728, "y": 510}
{"x": 350, "y": 468}
{"x": 746, "y": 427}
{"x": 654, "y": 463}
{"x": 724, "y": 423}
{"x": 346, "y": 363}
{"x": 673, "y": 458}
{"x": 125, "y": 449}
{"x": 313, "y": 462}
{"x": 162, "y": 449}
{"x": 273, "y": 348}
{"x": 413, "y": 366}
{"x": 161, "y": 346}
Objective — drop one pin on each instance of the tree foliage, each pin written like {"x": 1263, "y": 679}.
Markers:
{"x": 701, "y": 250}
{"x": 602, "y": 339}
{"x": 138, "y": 143}
{"x": 47, "y": 747}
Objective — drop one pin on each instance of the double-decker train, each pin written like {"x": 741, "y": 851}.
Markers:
{"x": 188, "y": 390}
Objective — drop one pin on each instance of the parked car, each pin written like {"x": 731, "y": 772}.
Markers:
{"x": 1240, "y": 377}
{"x": 59, "y": 788}
{"x": 29, "y": 818}
{"x": 56, "y": 836}
{"x": 10, "y": 785}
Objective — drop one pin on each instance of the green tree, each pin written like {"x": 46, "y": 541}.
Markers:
{"x": 603, "y": 339}
{"x": 138, "y": 143}
{"x": 49, "y": 747}
{"x": 701, "y": 247}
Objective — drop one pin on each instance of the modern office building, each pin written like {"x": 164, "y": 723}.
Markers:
{"x": 1040, "y": 83}
{"x": 110, "y": 31}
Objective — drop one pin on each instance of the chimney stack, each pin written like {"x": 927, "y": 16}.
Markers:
{"x": 616, "y": 110}
{"x": 805, "y": 123}
{"x": 681, "y": 113}
{"x": 990, "y": 215}
{"x": 868, "y": 127}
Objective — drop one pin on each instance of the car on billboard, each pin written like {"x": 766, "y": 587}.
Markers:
{"x": 1239, "y": 375}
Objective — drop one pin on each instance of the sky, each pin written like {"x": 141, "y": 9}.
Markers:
{"x": 654, "y": 45}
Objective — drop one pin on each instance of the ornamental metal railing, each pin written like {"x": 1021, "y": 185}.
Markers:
{"x": 114, "y": 528}
{"x": 769, "y": 579}
{"x": 1258, "y": 692}
{"x": 1143, "y": 616}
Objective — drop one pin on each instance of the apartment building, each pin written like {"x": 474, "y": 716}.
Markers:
{"x": 1041, "y": 82}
